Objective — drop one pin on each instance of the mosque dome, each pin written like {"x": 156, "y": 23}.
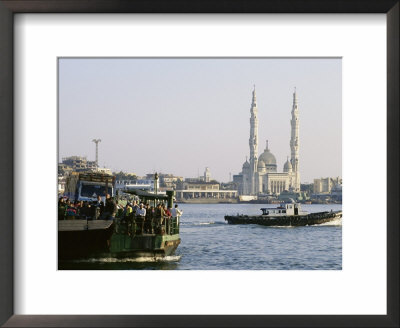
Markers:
{"x": 261, "y": 167}
{"x": 287, "y": 167}
{"x": 260, "y": 164}
{"x": 267, "y": 157}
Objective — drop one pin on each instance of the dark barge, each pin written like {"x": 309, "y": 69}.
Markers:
{"x": 286, "y": 215}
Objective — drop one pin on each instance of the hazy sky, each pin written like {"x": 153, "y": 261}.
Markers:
{"x": 180, "y": 115}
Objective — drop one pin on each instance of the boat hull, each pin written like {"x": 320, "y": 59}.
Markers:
{"x": 75, "y": 241}
{"x": 294, "y": 220}
{"x": 147, "y": 245}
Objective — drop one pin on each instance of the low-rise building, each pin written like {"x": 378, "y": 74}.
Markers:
{"x": 204, "y": 190}
{"x": 325, "y": 185}
{"x": 78, "y": 163}
{"x": 166, "y": 180}
{"x": 138, "y": 184}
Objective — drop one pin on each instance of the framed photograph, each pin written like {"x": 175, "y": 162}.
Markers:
{"x": 126, "y": 128}
{"x": 174, "y": 217}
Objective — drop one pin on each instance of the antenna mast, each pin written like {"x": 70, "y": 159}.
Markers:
{"x": 96, "y": 141}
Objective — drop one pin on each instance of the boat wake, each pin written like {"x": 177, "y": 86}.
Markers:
{"x": 202, "y": 223}
{"x": 336, "y": 222}
{"x": 171, "y": 258}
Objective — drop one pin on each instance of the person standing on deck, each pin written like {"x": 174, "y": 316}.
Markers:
{"x": 166, "y": 214}
{"x": 62, "y": 209}
{"x": 110, "y": 209}
{"x": 176, "y": 212}
{"x": 134, "y": 207}
{"x": 149, "y": 219}
{"x": 140, "y": 215}
{"x": 163, "y": 214}
{"x": 100, "y": 206}
{"x": 128, "y": 209}
{"x": 158, "y": 218}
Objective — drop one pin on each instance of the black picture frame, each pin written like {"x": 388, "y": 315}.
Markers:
{"x": 10, "y": 7}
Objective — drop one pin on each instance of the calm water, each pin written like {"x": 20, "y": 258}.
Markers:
{"x": 208, "y": 243}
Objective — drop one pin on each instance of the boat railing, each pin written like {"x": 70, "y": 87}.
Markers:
{"x": 171, "y": 226}
{"x": 135, "y": 225}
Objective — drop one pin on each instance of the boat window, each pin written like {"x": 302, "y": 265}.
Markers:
{"x": 93, "y": 190}
{"x": 284, "y": 211}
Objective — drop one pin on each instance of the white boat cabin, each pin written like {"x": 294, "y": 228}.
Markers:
{"x": 283, "y": 210}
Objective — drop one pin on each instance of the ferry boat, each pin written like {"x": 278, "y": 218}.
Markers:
{"x": 89, "y": 237}
{"x": 285, "y": 215}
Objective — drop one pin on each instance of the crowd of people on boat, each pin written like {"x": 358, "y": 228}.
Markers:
{"x": 95, "y": 210}
{"x": 147, "y": 218}
{"x": 150, "y": 219}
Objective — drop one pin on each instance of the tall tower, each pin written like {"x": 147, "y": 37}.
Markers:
{"x": 207, "y": 175}
{"x": 96, "y": 141}
{"x": 253, "y": 142}
{"x": 294, "y": 143}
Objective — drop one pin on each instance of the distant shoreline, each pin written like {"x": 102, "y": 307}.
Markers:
{"x": 233, "y": 201}
{"x": 207, "y": 201}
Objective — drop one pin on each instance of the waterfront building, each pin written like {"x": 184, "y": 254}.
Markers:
{"x": 170, "y": 181}
{"x": 325, "y": 185}
{"x": 201, "y": 185}
{"x": 128, "y": 176}
{"x": 260, "y": 172}
{"x": 138, "y": 184}
{"x": 336, "y": 193}
{"x": 192, "y": 179}
{"x": 207, "y": 175}
{"x": 204, "y": 190}
{"x": 327, "y": 190}
{"x": 64, "y": 169}
{"x": 79, "y": 163}
{"x": 166, "y": 180}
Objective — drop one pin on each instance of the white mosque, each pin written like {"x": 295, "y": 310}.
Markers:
{"x": 259, "y": 175}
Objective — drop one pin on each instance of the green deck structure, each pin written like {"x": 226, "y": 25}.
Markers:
{"x": 125, "y": 236}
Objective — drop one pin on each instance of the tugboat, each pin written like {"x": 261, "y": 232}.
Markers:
{"x": 90, "y": 237}
{"x": 285, "y": 215}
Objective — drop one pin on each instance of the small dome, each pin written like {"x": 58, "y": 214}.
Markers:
{"x": 246, "y": 165}
{"x": 287, "y": 167}
{"x": 261, "y": 167}
{"x": 260, "y": 164}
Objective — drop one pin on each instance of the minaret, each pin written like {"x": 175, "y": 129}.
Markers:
{"x": 294, "y": 143}
{"x": 253, "y": 141}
